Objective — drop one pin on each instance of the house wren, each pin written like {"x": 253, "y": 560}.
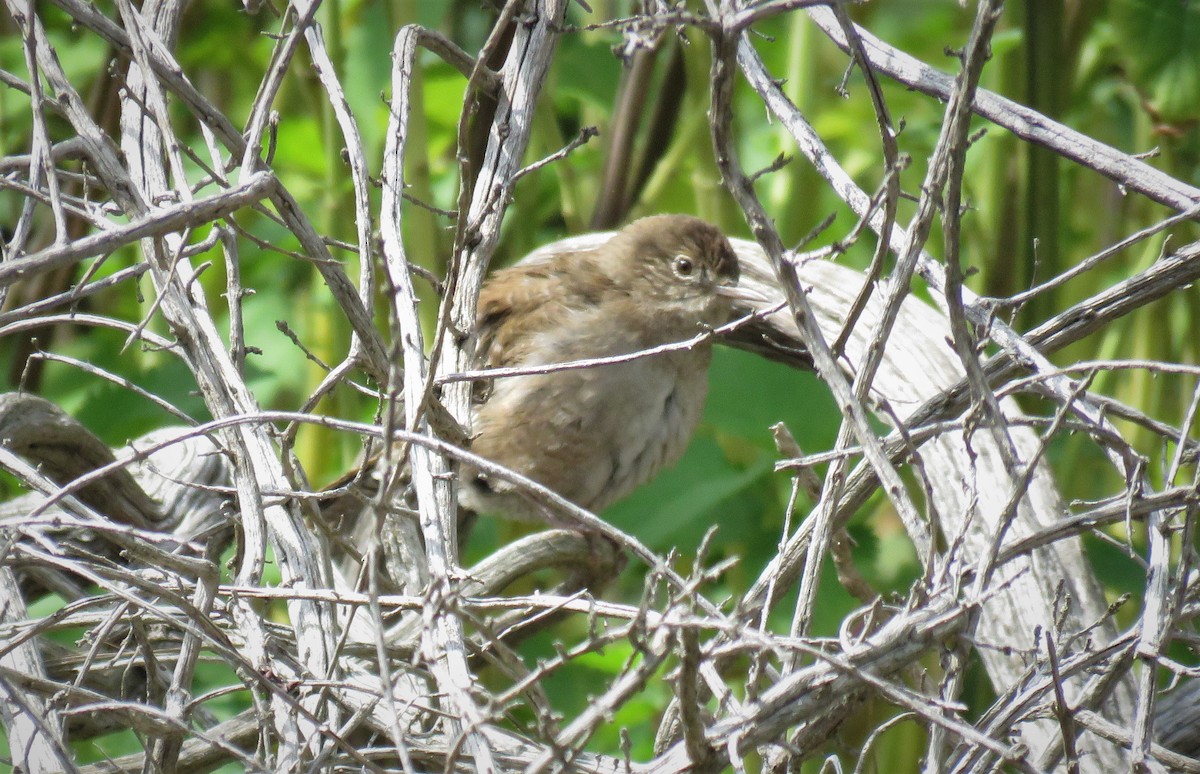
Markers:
{"x": 595, "y": 434}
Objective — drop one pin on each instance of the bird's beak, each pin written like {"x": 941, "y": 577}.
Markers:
{"x": 748, "y": 295}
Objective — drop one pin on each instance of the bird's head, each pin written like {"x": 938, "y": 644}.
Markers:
{"x": 682, "y": 264}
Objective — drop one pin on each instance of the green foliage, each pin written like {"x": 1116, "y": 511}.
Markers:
{"x": 1163, "y": 43}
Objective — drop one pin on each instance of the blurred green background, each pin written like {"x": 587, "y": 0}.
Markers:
{"x": 1126, "y": 72}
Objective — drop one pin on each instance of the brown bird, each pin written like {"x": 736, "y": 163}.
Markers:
{"x": 595, "y": 434}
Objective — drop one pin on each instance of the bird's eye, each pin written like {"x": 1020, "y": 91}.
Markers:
{"x": 683, "y": 266}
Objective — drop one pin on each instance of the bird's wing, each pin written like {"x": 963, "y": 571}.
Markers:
{"x": 519, "y": 303}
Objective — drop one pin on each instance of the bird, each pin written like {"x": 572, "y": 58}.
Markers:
{"x": 594, "y": 434}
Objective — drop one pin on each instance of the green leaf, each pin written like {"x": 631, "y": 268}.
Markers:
{"x": 1161, "y": 40}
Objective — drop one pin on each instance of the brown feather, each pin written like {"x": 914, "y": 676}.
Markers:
{"x": 594, "y": 434}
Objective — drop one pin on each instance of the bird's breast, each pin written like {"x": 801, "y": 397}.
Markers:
{"x": 593, "y": 435}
